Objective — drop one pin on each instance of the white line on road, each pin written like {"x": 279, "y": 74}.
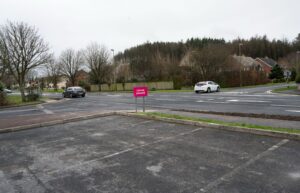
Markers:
{"x": 247, "y": 101}
{"x": 235, "y": 171}
{"x": 41, "y": 107}
{"x": 212, "y": 102}
{"x": 293, "y": 111}
{"x": 126, "y": 150}
{"x": 285, "y": 106}
{"x": 166, "y": 99}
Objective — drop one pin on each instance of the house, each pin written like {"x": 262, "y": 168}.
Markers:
{"x": 247, "y": 63}
{"x": 267, "y": 64}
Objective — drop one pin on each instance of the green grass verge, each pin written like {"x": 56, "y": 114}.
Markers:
{"x": 53, "y": 91}
{"x": 16, "y": 100}
{"x": 204, "y": 120}
{"x": 287, "y": 88}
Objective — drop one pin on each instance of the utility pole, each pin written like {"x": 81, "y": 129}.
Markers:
{"x": 114, "y": 67}
{"x": 297, "y": 62}
{"x": 241, "y": 65}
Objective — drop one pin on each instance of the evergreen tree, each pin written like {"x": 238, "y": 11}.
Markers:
{"x": 276, "y": 72}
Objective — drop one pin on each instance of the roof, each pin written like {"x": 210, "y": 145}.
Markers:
{"x": 269, "y": 61}
{"x": 244, "y": 60}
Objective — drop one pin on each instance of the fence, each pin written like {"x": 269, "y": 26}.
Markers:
{"x": 129, "y": 86}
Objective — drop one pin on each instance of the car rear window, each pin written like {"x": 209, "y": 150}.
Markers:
{"x": 78, "y": 89}
{"x": 200, "y": 84}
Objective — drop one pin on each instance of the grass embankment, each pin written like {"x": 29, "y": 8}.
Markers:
{"x": 233, "y": 124}
{"x": 53, "y": 91}
{"x": 16, "y": 100}
{"x": 287, "y": 88}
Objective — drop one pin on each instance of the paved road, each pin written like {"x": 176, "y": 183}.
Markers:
{"x": 128, "y": 155}
{"x": 249, "y": 100}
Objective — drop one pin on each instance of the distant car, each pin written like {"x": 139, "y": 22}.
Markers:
{"x": 74, "y": 91}
{"x": 207, "y": 86}
{"x": 7, "y": 90}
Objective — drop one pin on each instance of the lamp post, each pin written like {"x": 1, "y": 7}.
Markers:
{"x": 113, "y": 52}
{"x": 297, "y": 62}
{"x": 297, "y": 68}
{"x": 241, "y": 65}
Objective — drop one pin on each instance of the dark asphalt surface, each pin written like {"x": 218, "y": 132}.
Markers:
{"x": 122, "y": 154}
{"x": 247, "y": 100}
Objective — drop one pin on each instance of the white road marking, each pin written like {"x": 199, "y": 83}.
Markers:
{"x": 212, "y": 102}
{"x": 41, "y": 107}
{"x": 126, "y": 150}
{"x": 285, "y": 106}
{"x": 166, "y": 99}
{"x": 235, "y": 171}
{"x": 293, "y": 111}
{"x": 113, "y": 95}
{"x": 247, "y": 101}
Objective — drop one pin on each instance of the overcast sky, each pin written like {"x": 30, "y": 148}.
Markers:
{"x": 120, "y": 24}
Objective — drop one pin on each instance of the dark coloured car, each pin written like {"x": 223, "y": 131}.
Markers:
{"x": 75, "y": 91}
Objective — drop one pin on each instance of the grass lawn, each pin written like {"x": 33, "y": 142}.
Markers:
{"x": 204, "y": 120}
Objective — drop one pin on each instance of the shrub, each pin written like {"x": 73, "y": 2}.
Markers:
{"x": 3, "y": 99}
{"x": 85, "y": 85}
{"x": 297, "y": 78}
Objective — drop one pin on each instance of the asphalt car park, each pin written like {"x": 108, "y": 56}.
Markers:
{"x": 125, "y": 154}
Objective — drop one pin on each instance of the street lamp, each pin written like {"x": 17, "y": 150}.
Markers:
{"x": 113, "y": 52}
{"x": 241, "y": 65}
{"x": 297, "y": 62}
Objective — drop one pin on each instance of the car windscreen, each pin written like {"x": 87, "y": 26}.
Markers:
{"x": 78, "y": 89}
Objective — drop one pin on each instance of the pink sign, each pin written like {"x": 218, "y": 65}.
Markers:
{"x": 140, "y": 91}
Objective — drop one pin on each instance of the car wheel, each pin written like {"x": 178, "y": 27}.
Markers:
{"x": 218, "y": 89}
{"x": 208, "y": 90}
{"x": 197, "y": 91}
{"x": 83, "y": 95}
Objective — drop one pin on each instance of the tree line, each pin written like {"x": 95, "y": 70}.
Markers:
{"x": 22, "y": 50}
{"x": 205, "y": 59}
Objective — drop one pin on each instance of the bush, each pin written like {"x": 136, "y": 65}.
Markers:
{"x": 278, "y": 80}
{"x": 3, "y": 99}
{"x": 32, "y": 97}
{"x": 85, "y": 85}
{"x": 1, "y": 86}
{"x": 33, "y": 94}
{"x": 177, "y": 80}
{"x": 297, "y": 78}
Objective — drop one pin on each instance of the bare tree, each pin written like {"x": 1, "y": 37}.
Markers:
{"x": 53, "y": 69}
{"x": 97, "y": 57}
{"x": 71, "y": 61}
{"x": 208, "y": 62}
{"x": 22, "y": 49}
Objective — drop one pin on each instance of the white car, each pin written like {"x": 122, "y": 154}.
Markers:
{"x": 7, "y": 91}
{"x": 207, "y": 86}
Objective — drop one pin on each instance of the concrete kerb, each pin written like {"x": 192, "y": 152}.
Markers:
{"x": 218, "y": 126}
{"x": 55, "y": 122}
{"x": 170, "y": 120}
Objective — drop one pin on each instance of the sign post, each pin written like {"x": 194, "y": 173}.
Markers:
{"x": 140, "y": 91}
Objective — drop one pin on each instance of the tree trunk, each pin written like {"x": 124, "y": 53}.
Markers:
{"x": 22, "y": 90}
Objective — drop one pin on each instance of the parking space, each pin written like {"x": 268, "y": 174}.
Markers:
{"x": 124, "y": 154}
